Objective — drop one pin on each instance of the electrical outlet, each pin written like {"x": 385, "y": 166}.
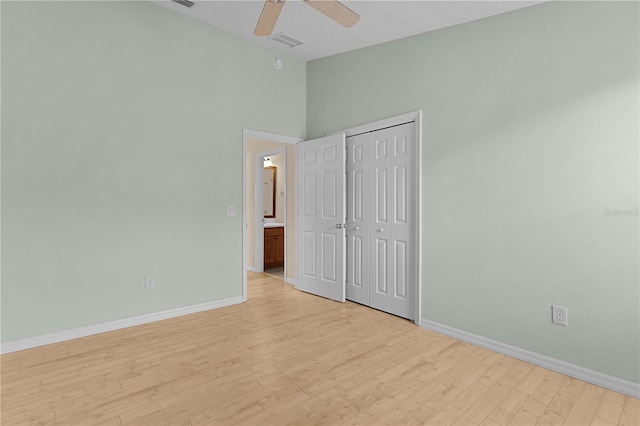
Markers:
{"x": 149, "y": 283}
{"x": 559, "y": 315}
{"x": 232, "y": 211}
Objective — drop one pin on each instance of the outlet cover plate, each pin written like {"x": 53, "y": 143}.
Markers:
{"x": 559, "y": 315}
{"x": 149, "y": 283}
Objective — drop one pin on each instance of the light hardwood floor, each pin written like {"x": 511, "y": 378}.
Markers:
{"x": 286, "y": 357}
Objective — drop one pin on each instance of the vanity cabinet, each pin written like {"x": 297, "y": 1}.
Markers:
{"x": 273, "y": 247}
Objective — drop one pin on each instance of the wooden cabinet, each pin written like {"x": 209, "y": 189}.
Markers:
{"x": 273, "y": 247}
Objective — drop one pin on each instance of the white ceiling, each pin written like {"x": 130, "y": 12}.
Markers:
{"x": 380, "y": 21}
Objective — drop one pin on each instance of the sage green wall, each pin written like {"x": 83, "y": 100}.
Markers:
{"x": 529, "y": 147}
{"x": 121, "y": 148}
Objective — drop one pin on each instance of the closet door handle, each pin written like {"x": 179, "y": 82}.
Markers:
{"x": 357, "y": 228}
{"x": 339, "y": 225}
{"x": 381, "y": 230}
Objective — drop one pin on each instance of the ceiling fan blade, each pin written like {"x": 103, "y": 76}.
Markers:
{"x": 268, "y": 17}
{"x": 336, "y": 11}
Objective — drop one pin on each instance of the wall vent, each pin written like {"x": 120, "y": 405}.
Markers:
{"x": 186, "y": 3}
{"x": 285, "y": 40}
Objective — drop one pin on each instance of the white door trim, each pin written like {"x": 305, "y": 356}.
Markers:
{"x": 413, "y": 116}
{"x": 246, "y": 135}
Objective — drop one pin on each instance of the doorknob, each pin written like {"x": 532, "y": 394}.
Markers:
{"x": 357, "y": 228}
{"x": 381, "y": 230}
{"x": 339, "y": 225}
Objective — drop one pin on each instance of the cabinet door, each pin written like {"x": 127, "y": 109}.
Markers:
{"x": 268, "y": 251}
{"x": 279, "y": 249}
{"x": 273, "y": 247}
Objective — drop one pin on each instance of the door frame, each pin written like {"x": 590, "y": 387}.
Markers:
{"x": 412, "y": 116}
{"x": 258, "y": 219}
{"x": 246, "y": 135}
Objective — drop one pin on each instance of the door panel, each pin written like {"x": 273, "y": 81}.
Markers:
{"x": 356, "y": 266}
{"x": 329, "y": 249}
{"x": 400, "y": 283}
{"x": 380, "y": 264}
{"x": 309, "y": 202}
{"x": 381, "y": 200}
{"x": 320, "y": 169}
{"x": 309, "y": 254}
{"x": 358, "y": 212}
{"x": 381, "y": 238}
{"x": 393, "y": 223}
{"x": 380, "y": 194}
{"x": 329, "y": 191}
{"x": 400, "y": 210}
{"x": 379, "y": 220}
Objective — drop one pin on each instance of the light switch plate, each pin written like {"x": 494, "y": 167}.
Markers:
{"x": 232, "y": 211}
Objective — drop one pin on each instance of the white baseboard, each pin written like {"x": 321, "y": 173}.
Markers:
{"x": 76, "y": 333}
{"x": 291, "y": 281}
{"x": 250, "y": 268}
{"x": 600, "y": 379}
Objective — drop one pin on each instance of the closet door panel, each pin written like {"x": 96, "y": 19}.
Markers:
{"x": 400, "y": 278}
{"x": 358, "y": 213}
{"x": 320, "y": 173}
{"x": 403, "y": 230}
{"x": 392, "y": 165}
{"x": 381, "y": 194}
{"x": 381, "y": 236}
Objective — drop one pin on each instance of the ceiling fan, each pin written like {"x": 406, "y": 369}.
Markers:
{"x": 331, "y": 8}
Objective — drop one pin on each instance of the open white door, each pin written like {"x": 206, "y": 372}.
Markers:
{"x": 320, "y": 213}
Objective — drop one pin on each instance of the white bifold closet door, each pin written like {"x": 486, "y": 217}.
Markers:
{"x": 381, "y": 223}
{"x": 320, "y": 238}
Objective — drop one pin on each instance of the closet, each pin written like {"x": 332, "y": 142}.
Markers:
{"x": 357, "y": 229}
{"x": 381, "y": 227}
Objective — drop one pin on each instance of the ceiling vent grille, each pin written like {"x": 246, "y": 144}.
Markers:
{"x": 285, "y": 40}
{"x": 186, "y": 3}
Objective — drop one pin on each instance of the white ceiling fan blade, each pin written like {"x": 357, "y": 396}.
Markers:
{"x": 336, "y": 11}
{"x": 268, "y": 17}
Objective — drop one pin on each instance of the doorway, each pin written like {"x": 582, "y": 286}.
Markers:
{"x": 256, "y": 145}
{"x": 270, "y": 213}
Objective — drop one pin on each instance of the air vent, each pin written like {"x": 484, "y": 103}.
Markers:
{"x": 186, "y": 3}
{"x": 285, "y": 40}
